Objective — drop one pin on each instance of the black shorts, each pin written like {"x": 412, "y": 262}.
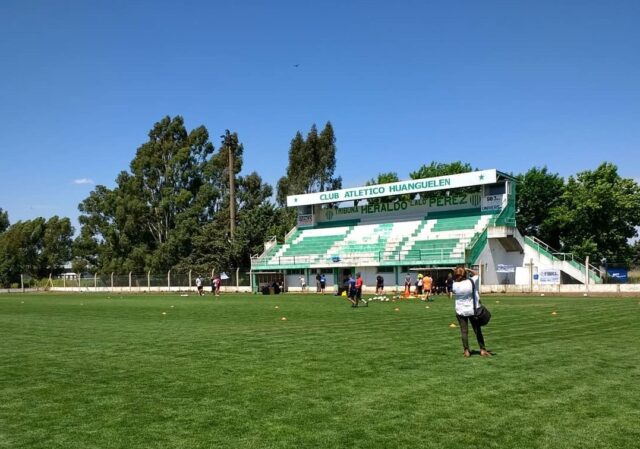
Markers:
{"x": 358, "y": 293}
{"x": 380, "y": 286}
{"x": 323, "y": 284}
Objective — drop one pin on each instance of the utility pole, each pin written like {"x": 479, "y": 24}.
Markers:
{"x": 232, "y": 187}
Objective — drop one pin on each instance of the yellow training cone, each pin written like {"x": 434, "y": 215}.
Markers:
{"x": 452, "y": 325}
{"x": 283, "y": 318}
{"x": 497, "y": 302}
{"x": 554, "y": 313}
{"x": 397, "y": 309}
{"x": 276, "y": 307}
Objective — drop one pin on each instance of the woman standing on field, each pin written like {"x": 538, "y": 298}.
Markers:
{"x": 467, "y": 302}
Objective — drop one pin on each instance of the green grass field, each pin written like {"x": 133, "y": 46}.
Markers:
{"x": 91, "y": 371}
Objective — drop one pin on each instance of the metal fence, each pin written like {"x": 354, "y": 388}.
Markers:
{"x": 141, "y": 281}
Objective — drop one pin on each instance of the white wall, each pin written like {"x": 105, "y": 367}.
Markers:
{"x": 494, "y": 254}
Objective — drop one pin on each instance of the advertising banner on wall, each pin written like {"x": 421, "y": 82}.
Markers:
{"x": 305, "y": 220}
{"x": 618, "y": 275}
{"x": 493, "y": 202}
{"x": 502, "y": 268}
{"x": 549, "y": 276}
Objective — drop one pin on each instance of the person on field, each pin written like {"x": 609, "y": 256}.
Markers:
{"x": 449, "y": 285}
{"x": 217, "y": 283}
{"x": 323, "y": 283}
{"x": 359, "y": 283}
{"x": 379, "y": 285}
{"x": 213, "y": 285}
{"x": 318, "y": 277}
{"x": 419, "y": 284}
{"x": 199, "y": 286}
{"x": 467, "y": 300}
{"x": 351, "y": 290}
{"x": 407, "y": 285}
{"x": 427, "y": 283}
{"x": 303, "y": 284}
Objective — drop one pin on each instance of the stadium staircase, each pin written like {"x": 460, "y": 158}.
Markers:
{"x": 548, "y": 257}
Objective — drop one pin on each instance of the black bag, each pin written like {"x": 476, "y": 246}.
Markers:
{"x": 481, "y": 314}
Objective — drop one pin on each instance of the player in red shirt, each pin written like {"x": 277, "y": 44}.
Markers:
{"x": 359, "y": 290}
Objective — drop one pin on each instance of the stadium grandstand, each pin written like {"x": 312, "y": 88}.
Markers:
{"x": 422, "y": 225}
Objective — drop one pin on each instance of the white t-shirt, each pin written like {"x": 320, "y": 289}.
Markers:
{"x": 198, "y": 282}
{"x": 463, "y": 292}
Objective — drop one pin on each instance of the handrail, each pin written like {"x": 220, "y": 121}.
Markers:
{"x": 290, "y": 233}
{"x": 571, "y": 258}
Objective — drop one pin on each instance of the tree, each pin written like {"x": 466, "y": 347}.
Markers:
{"x": 385, "y": 178}
{"x": 57, "y": 244}
{"x": 34, "y": 247}
{"x": 435, "y": 169}
{"x": 147, "y": 221}
{"x": 598, "y": 214}
{"x": 312, "y": 164}
{"x": 538, "y": 192}
{"x": 4, "y": 220}
{"x": 441, "y": 169}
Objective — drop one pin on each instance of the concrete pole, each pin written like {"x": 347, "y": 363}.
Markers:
{"x": 95, "y": 281}
{"x": 149, "y": 280}
{"x": 531, "y": 275}
{"x": 169, "y": 279}
{"x": 190, "y": 278}
{"x": 129, "y": 280}
{"x": 232, "y": 193}
{"x": 586, "y": 273}
{"x": 21, "y": 282}
{"x": 112, "y": 282}
{"x": 237, "y": 280}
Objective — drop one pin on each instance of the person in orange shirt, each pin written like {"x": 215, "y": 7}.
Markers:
{"x": 427, "y": 283}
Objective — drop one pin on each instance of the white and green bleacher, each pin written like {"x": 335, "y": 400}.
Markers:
{"x": 440, "y": 238}
{"x": 309, "y": 246}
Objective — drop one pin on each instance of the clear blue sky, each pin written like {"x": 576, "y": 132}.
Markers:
{"x": 499, "y": 84}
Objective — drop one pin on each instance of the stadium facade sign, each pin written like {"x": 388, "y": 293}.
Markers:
{"x": 403, "y": 209}
{"x": 396, "y": 188}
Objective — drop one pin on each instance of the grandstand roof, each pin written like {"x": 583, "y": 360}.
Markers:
{"x": 447, "y": 182}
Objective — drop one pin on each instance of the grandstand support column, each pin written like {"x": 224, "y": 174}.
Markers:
{"x": 337, "y": 281}
{"x": 396, "y": 273}
{"x": 306, "y": 277}
{"x": 251, "y": 281}
{"x": 531, "y": 275}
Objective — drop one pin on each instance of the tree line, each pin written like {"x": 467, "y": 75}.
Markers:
{"x": 170, "y": 209}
